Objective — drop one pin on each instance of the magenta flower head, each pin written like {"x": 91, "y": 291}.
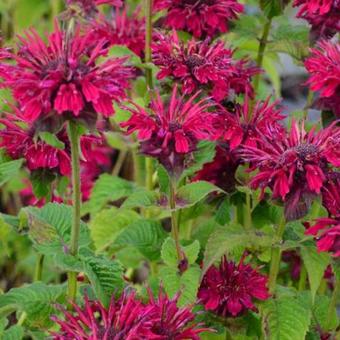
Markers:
{"x": 198, "y": 65}
{"x": 324, "y": 69}
{"x": 122, "y": 29}
{"x": 172, "y": 322}
{"x": 327, "y": 230}
{"x": 295, "y": 165}
{"x": 65, "y": 76}
{"x": 246, "y": 125}
{"x": 230, "y": 289}
{"x": 171, "y": 131}
{"x": 324, "y": 16}
{"x": 201, "y": 18}
{"x": 123, "y": 319}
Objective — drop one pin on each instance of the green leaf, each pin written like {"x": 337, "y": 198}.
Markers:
{"x": 15, "y": 332}
{"x": 320, "y": 312}
{"x": 41, "y": 183}
{"x": 123, "y": 51}
{"x": 109, "y": 189}
{"x": 141, "y": 198}
{"x": 51, "y": 139}
{"x": 36, "y": 299}
{"x": 8, "y": 170}
{"x": 286, "y": 317}
{"x": 191, "y": 251}
{"x": 192, "y": 193}
{"x": 106, "y": 276}
{"x": 272, "y": 8}
{"x": 116, "y": 141}
{"x": 145, "y": 235}
{"x": 106, "y": 226}
{"x": 50, "y": 228}
{"x": 223, "y": 212}
{"x": 316, "y": 264}
{"x": 163, "y": 179}
{"x": 205, "y": 153}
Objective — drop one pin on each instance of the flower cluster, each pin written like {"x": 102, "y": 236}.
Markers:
{"x": 171, "y": 132}
{"x": 64, "y": 76}
{"x": 129, "y": 318}
{"x": 229, "y": 290}
{"x": 122, "y": 29}
{"x": 324, "y": 16}
{"x": 295, "y": 165}
{"x": 324, "y": 68}
{"x": 200, "y": 65}
{"x": 202, "y": 18}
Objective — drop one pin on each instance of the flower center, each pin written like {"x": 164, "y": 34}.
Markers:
{"x": 194, "y": 61}
{"x": 306, "y": 152}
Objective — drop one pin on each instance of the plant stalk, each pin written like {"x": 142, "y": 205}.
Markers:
{"x": 333, "y": 302}
{"x": 276, "y": 258}
{"x": 39, "y": 267}
{"x": 247, "y": 212}
{"x": 261, "y": 52}
{"x": 76, "y": 195}
{"x": 303, "y": 278}
{"x": 174, "y": 219}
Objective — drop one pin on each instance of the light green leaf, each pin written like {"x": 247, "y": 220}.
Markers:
{"x": 141, "y": 198}
{"x": 145, "y": 235}
{"x": 109, "y": 189}
{"x": 316, "y": 264}
{"x": 286, "y": 317}
{"x": 106, "y": 226}
{"x": 168, "y": 253}
{"x": 192, "y": 193}
{"x": 272, "y": 8}
{"x": 320, "y": 312}
{"x": 8, "y": 170}
{"x": 36, "y": 299}
{"x": 51, "y": 139}
{"x": 15, "y": 332}
{"x": 191, "y": 251}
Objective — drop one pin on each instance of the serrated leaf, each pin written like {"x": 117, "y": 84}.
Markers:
{"x": 223, "y": 212}
{"x": 109, "y": 189}
{"x": 145, "y": 235}
{"x": 8, "y": 170}
{"x": 192, "y": 193}
{"x": 316, "y": 264}
{"x": 141, "y": 198}
{"x": 168, "y": 253}
{"x": 41, "y": 183}
{"x": 320, "y": 312}
{"x": 286, "y": 317}
{"x": 51, "y": 139}
{"x": 50, "y": 228}
{"x": 15, "y": 332}
{"x": 107, "y": 225}
{"x": 106, "y": 276}
{"x": 205, "y": 153}
{"x": 272, "y": 8}
{"x": 36, "y": 299}
{"x": 191, "y": 251}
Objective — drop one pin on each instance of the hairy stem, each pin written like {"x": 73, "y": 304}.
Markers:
{"x": 76, "y": 195}
{"x": 276, "y": 258}
{"x": 261, "y": 52}
{"x": 39, "y": 267}
{"x": 174, "y": 219}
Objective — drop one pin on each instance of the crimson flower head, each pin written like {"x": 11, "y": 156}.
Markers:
{"x": 324, "y": 15}
{"x": 122, "y": 29}
{"x": 65, "y": 76}
{"x": 200, "y": 65}
{"x": 230, "y": 289}
{"x": 295, "y": 165}
{"x": 246, "y": 125}
{"x": 123, "y": 319}
{"x": 170, "y": 321}
{"x": 324, "y": 69}
{"x": 202, "y": 18}
{"x": 172, "y": 130}
{"x": 327, "y": 230}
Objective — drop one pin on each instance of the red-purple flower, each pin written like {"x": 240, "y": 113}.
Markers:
{"x": 171, "y": 132}
{"x": 200, "y": 17}
{"x": 122, "y": 29}
{"x": 125, "y": 319}
{"x": 65, "y": 75}
{"x": 198, "y": 65}
{"x": 324, "y": 68}
{"x": 323, "y": 15}
{"x": 230, "y": 289}
{"x": 221, "y": 171}
{"x": 172, "y": 322}
{"x": 295, "y": 165}
{"x": 246, "y": 125}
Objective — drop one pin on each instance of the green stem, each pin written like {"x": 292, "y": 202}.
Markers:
{"x": 138, "y": 164}
{"x": 261, "y": 52}
{"x": 303, "y": 278}
{"x": 39, "y": 267}
{"x": 309, "y": 102}
{"x": 119, "y": 162}
{"x": 247, "y": 212}
{"x": 276, "y": 258}
{"x": 149, "y": 173}
{"x": 76, "y": 195}
{"x": 333, "y": 302}
{"x": 174, "y": 220}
